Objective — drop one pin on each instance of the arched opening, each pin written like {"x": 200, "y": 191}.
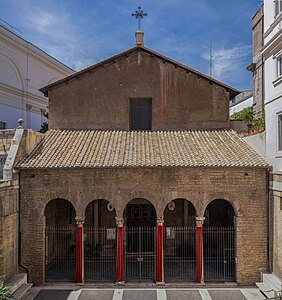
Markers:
{"x": 219, "y": 241}
{"x": 60, "y": 241}
{"x": 99, "y": 241}
{"x": 179, "y": 241}
{"x": 140, "y": 222}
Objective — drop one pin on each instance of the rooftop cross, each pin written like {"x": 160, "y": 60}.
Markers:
{"x": 139, "y": 14}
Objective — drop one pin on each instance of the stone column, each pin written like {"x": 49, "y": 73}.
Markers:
{"x": 120, "y": 252}
{"x": 199, "y": 250}
{"x": 79, "y": 251}
{"x": 160, "y": 251}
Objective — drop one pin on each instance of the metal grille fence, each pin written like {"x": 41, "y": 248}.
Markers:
{"x": 99, "y": 253}
{"x": 140, "y": 253}
{"x": 179, "y": 253}
{"x": 219, "y": 253}
{"x": 60, "y": 250}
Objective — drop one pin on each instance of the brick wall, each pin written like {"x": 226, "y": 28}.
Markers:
{"x": 181, "y": 100}
{"x": 8, "y": 229}
{"x": 245, "y": 189}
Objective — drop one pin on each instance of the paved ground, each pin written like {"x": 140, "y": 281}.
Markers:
{"x": 148, "y": 294}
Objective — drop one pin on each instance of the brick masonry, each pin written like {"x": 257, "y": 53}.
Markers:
{"x": 9, "y": 216}
{"x": 244, "y": 188}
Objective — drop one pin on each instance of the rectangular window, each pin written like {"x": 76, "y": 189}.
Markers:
{"x": 278, "y": 7}
{"x": 3, "y": 125}
{"x": 280, "y": 203}
{"x": 141, "y": 114}
{"x": 280, "y": 132}
{"x": 279, "y": 66}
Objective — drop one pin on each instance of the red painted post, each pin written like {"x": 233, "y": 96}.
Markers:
{"x": 79, "y": 251}
{"x": 120, "y": 252}
{"x": 159, "y": 252}
{"x": 199, "y": 249}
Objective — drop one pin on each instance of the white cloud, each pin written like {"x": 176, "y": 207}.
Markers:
{"x": 228, "y": 62}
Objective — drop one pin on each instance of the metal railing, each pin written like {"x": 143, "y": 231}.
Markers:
{"x": 99, "y": 253}
{"x": 179, "y": 253}
{"x": 219, "y": 253}
{"x": 60, "y": 252}
{"x": 140, "y": 253}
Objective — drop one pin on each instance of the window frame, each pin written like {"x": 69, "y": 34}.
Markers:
{"x": 277, "y": 8}
{"x": 3, "y": 125}
{"x": 279, "y": 133}
{"x": 279, "y": 65}
{"x": 149, "y": 99}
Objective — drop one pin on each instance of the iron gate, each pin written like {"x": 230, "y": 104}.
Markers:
{"x": 60, "y": 250}
{"x": 219, "y": 253}
{"x": 179, "y": 253}
{"x": 140, "y": 253}
{"x": 99, "y": 253}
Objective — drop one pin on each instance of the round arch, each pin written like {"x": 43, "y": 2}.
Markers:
{"x": 13, "y": 70}
{"x": 100, "y": 213}
{"x": 179, "y": 212}
{"x": 59, "y": 212}
{"x": 60, "y": 240}
{"x": 219, "y": 212}
{"x": 140, "y": 212}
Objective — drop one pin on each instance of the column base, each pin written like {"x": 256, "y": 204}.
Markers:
{"x": 120, "y": 283}
{"x": 160, "y": 283}
{"x": 80, "y": 283}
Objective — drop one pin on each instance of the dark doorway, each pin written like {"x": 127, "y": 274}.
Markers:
{"x": 219, "y": 242}
{"x": 99, "y": 242}
{"x": 60, "y": 241}
{"x": 179, "y": 241}
{"x": 140, "y": 218}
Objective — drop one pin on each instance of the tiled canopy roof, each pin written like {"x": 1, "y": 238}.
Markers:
{"x": 101, "y": 149}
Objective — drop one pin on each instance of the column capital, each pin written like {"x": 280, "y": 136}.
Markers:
{"x": 79, "y": 221}
{"x": 120, "y": 222}
{"x": 160, "y": 221}
{"x": 200, "y": 221}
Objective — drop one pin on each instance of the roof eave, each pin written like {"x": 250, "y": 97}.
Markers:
{"x": 233, "y": 92}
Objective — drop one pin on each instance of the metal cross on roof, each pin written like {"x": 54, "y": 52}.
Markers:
{"x": 139, "y": 14}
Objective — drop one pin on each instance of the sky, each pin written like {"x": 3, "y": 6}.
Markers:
{"x": 81, "y": 33}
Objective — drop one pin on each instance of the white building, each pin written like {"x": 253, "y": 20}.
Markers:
{"x": 243, "y": 100}
{"x": 272, "y": 54}
{"x": 24, "y": 68}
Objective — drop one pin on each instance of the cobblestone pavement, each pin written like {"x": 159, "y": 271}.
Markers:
{"x": 151, "y": 294}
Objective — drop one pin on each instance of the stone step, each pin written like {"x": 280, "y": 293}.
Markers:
{"x": 22, "y": 291}
{"x": 16, "y": 282}
{"x": 272, "y": 281}
{"x": 265, "y": 290}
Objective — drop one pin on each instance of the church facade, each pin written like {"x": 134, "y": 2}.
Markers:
{"x": 140, "y": 178}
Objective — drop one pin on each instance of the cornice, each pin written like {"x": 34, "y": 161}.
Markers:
{"x": 31, "y": 53}
{"x": 273, "y": 25}
{"x": 20, "y": 93}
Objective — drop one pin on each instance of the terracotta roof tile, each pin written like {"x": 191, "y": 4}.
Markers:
{"x": 99, "y": 149}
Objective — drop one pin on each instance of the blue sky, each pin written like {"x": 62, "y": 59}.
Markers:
{"x": 81, "y": 33}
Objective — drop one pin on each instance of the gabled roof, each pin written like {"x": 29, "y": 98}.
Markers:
{"x": 128, "y": 149}
{"x": 232, "y": 91}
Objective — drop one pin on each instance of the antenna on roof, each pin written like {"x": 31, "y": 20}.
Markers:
{"x": 10, "y": 27}
{"x": 211, "y": 57}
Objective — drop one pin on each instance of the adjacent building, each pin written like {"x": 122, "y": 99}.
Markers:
{"x": 24, "y": 68}
{"x": 272, "y": 56}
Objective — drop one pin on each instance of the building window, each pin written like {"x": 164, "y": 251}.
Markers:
{"x": 141, "y": 114}
{"x": 280, "y": 132}
{"x": 279, "y": 66}
{"x": 278, "y": 7}
{"x": 280, "y": 203}
{"x": 3, "y": 125}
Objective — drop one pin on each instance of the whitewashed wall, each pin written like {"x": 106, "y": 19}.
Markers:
{"x": 24, "y": 69}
